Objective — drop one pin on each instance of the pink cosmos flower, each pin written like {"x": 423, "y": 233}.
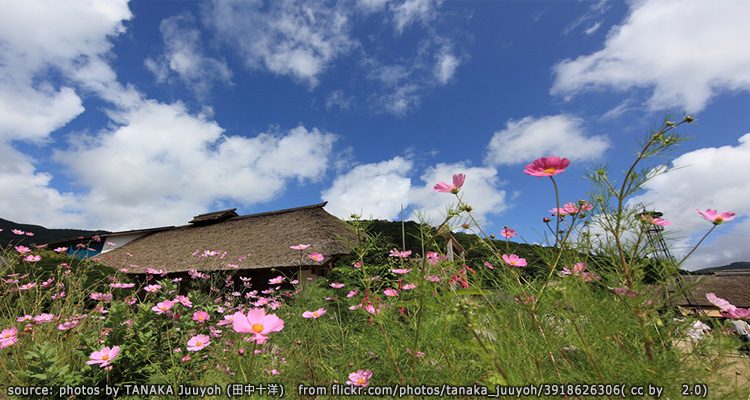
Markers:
{"x": 399, "y": 254}
{"x": 32, "y": 258}
{"x": 488, "y": 265}
{"x": 352, "y": 293}
{"x": 514, "y": 260}
{"x": 27, "y": 286}
{"x": 42, "y": 318}
{"x": 198, "y": 342}
{"x": 121, "y": 285}
{"x": 728, "y": 310}
{"x": 152, "y": 288}
{"x": 547, "y": 166}
{"x": 8, "y": 337}
{"x": 458, "y": 182}
{"x": 201, "y": 317}
{"x": 337, "y": 285}
{"x": 22, "y": 249}
{"x": 390, "y": 292}
{"x": 67, "y": 325}
{"x": 162, "y": 307}
{"x": 101, "y": 296}
{"x": 184, "y": 300}
{"x": 579, "y": 270}
{"x": 314, "y": 314}
{"x": 257, "y": 323}
{"x": 26, "y": 317}
{"x": 104, "y": 357}
{"x": 61, "y": 249}
{"x": 507, "y": 232}
{"x": 317, "y": 257}
{"x": 29, "y": 233}
{"x": 401, "y": 271}
{"x": 357, "y": 264}
{"x": 360, "y": 378}
{"x": 153, "y": 271}
{"x": 276, "y": 281}
{"x": 409, "y": 286}
{"x": 433, "y": 257}
{"x": 300, "y": 247}
{"x": 660, "y": 222}
{"x": 716, "y": 217}
{"x": 18, "y": 231}
{"x": 432, "y": 278}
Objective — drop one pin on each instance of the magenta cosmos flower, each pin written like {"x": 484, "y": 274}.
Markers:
{"x": 390, "y": 292}
{"x": 257, "y": 323}
{"x": 507, "y": 232}
{"x": 716, "y": 217}
{"x": 458, "y": 181}
{"x": 198, "y": 342}
{"x": 314, "y": 314}
{"x": 547, "y": 166}
{"x": 22, "y": 249}
{"x": 277, "y": 280}
{"x": 514, "y": 260}
{"x": 360, "y": 378}
{"x": 401, "y": 271}
{"x": 337, "y": 285}
{"x": 104, "y": 357}
{"x": 299, "y": 247}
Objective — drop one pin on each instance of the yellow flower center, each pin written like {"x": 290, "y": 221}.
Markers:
{"x": 315, "y": 314}
{"x": 361, "y": 381}
{"x": 550, "y": 170}
{"x": 163, "y": 308}
{"x": 198, "y": 343}
{"x": 7, "y": 335}
{"x": 257, "y": 328}
{"x": 105, "y": 357}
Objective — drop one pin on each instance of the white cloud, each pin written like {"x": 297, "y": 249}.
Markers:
{"x": 481, "y": 191}
{"x": 374, "y": 190}
{"x": 183, "y": 55}
{"x": 27, "y": 197}
{"x": 445, "y": 67}
{"x": 338, "y": 99}
{"x": 161, "y": 165}
{"x": 412, "y": 11}
{"x": 378, "y": 190}
{"x": 529, "y": 138}
{"x": 593, "y": 28}
{"x": 705, "y": 178}
{"x": 35, "y": 37}
{"x": 298, "y": 39}
{"x": 687, "y": 64}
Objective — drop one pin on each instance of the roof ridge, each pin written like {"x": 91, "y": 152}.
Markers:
{"x": 282, "y": 211}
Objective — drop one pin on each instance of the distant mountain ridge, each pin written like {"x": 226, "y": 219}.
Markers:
{"x": 739, "y": 265}
{"x": 42, "y": 235}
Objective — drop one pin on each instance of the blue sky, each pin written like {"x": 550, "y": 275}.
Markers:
{"x": 120, "y": 115}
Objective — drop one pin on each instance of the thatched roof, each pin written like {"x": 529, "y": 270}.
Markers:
{"x": 733, "y": 286}
{"x": 251, "y": 242}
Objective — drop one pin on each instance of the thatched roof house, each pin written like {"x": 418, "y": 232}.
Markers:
{"x": 730, "y": 285}
{"x": 224, "y": 240}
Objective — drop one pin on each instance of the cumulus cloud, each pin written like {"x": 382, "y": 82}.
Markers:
{"x": 698, "y": 179}
{"x": 184, "y": 56}
{"x": 375, "y": 190}
{"x": 162, "y": 164}
{"x": 686, "y": 64}
{"x": 529, "y": 138}
{"x": 291, "y": 38}
{"x": 481, "y": 190}
{"x": 378, "y": 190}
{"x": 32, "y": 106}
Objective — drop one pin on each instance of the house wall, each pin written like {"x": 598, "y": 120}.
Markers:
{"x": 113, "y": 242}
